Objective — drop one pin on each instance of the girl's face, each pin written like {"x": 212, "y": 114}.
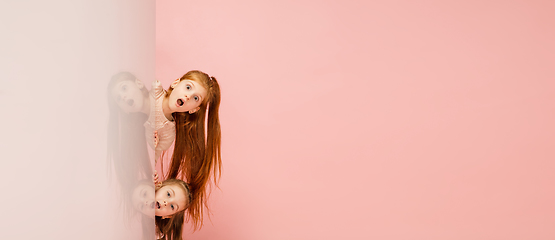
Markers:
{"x": 128, "y": 95}
{"x": 169, "y": 200}
{"x": 143, "y": 199}
{"x": 186, "y": 96}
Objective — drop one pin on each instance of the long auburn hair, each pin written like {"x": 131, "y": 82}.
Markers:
{"x": 196, "y": 156}
{"x": 172, "y": 228}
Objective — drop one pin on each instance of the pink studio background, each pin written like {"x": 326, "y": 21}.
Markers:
{"x": 375, "y": 119}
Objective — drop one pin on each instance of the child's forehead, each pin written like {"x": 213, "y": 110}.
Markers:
{"x": 174, "y": 187}
{"x": 194, "y": 81}
{"x": 143, "y": 188}
{"x": 125, "y": 78}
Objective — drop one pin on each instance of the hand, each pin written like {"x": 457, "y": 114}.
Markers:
{"x": 156, "y": 139}
{"x": 157, "y": 184}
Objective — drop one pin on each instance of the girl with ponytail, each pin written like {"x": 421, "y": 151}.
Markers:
{"x": 188, "y": 113}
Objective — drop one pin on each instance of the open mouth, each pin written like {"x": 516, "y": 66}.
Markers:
{"x": 157, "y": 205}
{"x": 152, "y": 204}
{"x": 179, "y": 102}
{"x": 130, "y": 102}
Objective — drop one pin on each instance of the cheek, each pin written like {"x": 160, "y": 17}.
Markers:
{"x": 174, "y": 94}
{"x": 138, "y": 101}
{"x": 137, "y": 94}
{"x": 160, "y": 195}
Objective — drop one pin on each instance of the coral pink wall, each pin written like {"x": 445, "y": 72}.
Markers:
{"x": 374, "y": 119}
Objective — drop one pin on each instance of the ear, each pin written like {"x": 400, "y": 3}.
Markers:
{"x": 194, "y": 110}
{"x": 139, "y": 83}
{"x": 175, "y": 83}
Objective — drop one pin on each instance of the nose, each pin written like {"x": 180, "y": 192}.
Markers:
{"x": 165, "y": 203}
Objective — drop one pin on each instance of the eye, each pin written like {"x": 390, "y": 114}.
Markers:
{"x": 124, "y": 88}
{"x": 168, "y": 194}
{"x": 188, "y": 87}
{"x": 172, "y": 207}
{"x": 196, "y": 98}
